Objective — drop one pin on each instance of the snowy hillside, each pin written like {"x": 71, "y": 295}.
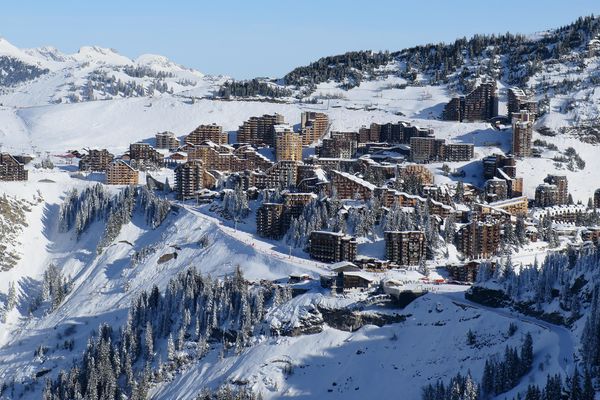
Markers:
{"x": 47, "y": 76}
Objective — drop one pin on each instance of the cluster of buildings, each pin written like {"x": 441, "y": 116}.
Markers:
{"x": 372, "y": 164}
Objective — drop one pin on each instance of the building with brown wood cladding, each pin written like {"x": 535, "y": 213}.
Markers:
{"x": 454, "y": 109}
{"x": 348, "y": 186}
{"x": 144, "y": 153}
{"x": 562, "y": 185}
{"x": 466, "y": 272}
{"x": 479, "y": 239}
{"x": 481, "y": 104}
{"x": 338, "y": 145}
{"x": 399, "y": 132}
{"x": 425, "y": 149}
{"x": 505, "y": 168}
{"x": 280, "y": 175}
{"x": 404, "y": 247}
{"x": 453, "y": 152}
{"x": 274, "y": 219}
{"x": 423, "y": 174}
{"x": 96, "y": 160}
{"x": 225, "y": 158}
{"x": 428, "y": 149}
{"x": 332, "y": 246}
{"x": 11, "y": 169}
{"x": 390, "y": 197}
{"x": 189, "y": 179}
{"x": 269, "y": 220}
{"x": 518, "y": 100}
{"x": 288, "y": 144}
{"x": 294, "y": 204}
{"x": 120, "y": 172}
{"x": 167, "y": 140}
{"x": 516, "y": 206}
{"x": 211, "y": 132}
{"x": 313, "y": 126}
{"x": 495, "y": 189}
{"x": 522, "y": 127}
{"x": 259, "y": 131}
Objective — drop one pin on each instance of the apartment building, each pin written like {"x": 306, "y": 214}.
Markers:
{"x": 428, "y": 149}
{"x": 454, "y": 152}
{"x": 424, "y": 175}
{"x": 288, "y": 144}
{"x": 338, "y": 145}
{"x": 225, "y": 158}
{"x": 479, "y": 105}
{"x": 120, "y": 172}
{"x": 562, "y": 185}
{"x": 479, "y": 239}
{"x": 495, "y": 189}
{"x": 210, "y": 132}
{"x": 189, "y": 179}
{"x": 313, "y": 126}
{"x": 564, "y": 213}
{"x": 505, "y": 168}
{"x": 259, "y": 131}
{"x": 279, "y": 176}
{"x": 332, "y": 246}
{"x": 518, "y": 101}
{"x": 516, "y": 206}
{"x": 348, "y": 186}
{"x": 269, "y": 221}
{"x": 405, "y": 247}
{"x": 522, "y": 128}
{"x": 546, "y": 195}
{"x": 425, "y": 149}
{"x": 145, "y": 154}
{"x": 11, "y": 169}
{"x": 167, "y": 140}
{"x": 294, "y": 204}
{"x": 95, "y": 160}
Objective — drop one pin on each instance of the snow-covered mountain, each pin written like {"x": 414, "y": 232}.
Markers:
{"x": 45, "y": 75}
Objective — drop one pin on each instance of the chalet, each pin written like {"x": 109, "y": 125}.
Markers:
{"x": 355, "y": 280}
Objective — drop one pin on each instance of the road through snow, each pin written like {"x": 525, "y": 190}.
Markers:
{"x": 566, "y": 346}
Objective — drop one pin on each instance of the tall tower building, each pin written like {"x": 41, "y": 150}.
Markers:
{"x": 288, "y": 144}
{"x": 522, "y": 126}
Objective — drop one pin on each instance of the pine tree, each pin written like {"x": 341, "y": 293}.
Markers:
{"x": 149, "y": 342}
{"x": 574, "y": 386}
{"x": 527, "y": 354}
{"x": 170, "y": 348}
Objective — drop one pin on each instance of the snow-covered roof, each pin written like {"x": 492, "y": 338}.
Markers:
{"x": 361, "y": 274}
{"x": 558, "y": 210}
{"x": 357, "y": 180}
{"x": 343, "y": 266}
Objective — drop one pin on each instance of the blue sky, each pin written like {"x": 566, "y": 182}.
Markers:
{"x": 251, "y": 38}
